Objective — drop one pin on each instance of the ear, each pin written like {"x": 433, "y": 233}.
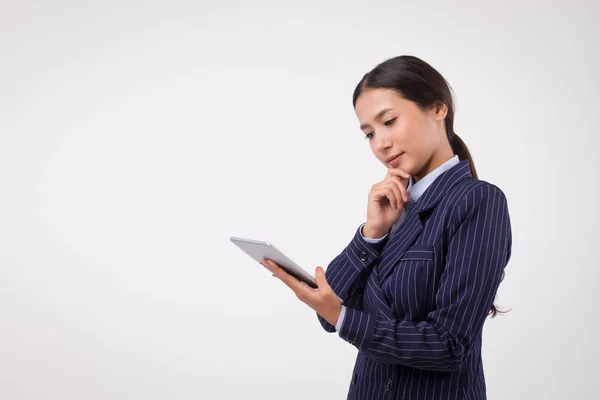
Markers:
{"x": 438, "y": 110}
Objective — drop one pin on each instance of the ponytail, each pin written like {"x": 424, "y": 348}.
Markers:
{"x": 460, "y": 148}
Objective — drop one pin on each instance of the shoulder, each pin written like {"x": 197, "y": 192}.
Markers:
{"x": 473, "y": 195}
{"x": 474, "y": 191}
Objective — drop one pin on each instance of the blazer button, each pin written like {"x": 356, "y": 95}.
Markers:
{"x": 363, "y": 256}
{"x": 388, "y": 385}
{"x": 354, "y": 379}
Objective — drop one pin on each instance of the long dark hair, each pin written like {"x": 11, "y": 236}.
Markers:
{"x": 419, "y": 82}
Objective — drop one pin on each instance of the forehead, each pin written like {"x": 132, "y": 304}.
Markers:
{"x": 372, "y": 101}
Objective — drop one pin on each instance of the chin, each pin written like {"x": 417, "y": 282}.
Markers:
{"x": 408, "y": 167}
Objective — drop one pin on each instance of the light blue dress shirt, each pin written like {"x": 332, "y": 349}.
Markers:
{"x": 414, "y": 191}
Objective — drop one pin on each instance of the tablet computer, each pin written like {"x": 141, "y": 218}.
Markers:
{"x": 259, "y": 250}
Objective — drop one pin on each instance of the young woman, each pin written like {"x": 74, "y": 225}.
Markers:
{"x": 414, "y": 286}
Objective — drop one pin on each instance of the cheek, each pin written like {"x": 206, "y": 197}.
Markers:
{"x": 405, "y": 127}
{"x": 409, "y": 138}
{"x": 374, "y": 151}
{"x": 417, "y": 134}
{"x": 405, "y": 137}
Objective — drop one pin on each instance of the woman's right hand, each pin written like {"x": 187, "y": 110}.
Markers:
{"x": 386, "y": 202}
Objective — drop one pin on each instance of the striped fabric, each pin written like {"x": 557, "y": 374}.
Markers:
{"x": 417, "y": 301}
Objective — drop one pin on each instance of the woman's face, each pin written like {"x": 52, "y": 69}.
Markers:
{"x": 394, "y": 125}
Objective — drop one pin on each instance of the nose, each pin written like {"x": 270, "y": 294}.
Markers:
{"x": 383, "y": 143}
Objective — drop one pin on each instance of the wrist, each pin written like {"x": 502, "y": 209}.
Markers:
{"x": 335, "y": 313}
{"x": 372, "y": 233}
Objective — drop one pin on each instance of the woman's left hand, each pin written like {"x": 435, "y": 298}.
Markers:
{"x": 323, "y": 300}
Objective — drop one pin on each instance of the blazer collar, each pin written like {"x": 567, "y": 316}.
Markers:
{"x": 436, "y": 191}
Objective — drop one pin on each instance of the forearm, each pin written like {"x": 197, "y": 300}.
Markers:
{"x": 360, "y": 254}
{"x": 349, "y": 268}
{"x": 423, "y": 345}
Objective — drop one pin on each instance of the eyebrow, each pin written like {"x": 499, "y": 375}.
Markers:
{"x": 379, "y": 114}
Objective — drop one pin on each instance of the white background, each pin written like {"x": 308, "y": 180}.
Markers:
{"x": 137, "y": 136}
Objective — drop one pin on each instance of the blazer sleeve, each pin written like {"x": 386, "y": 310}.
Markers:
{"x": 477, "y": 253}
{"x": 349, "y": 269}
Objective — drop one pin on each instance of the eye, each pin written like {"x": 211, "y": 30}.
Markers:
{"x": 369, "y": 135}
{"x": 390, "y": 121}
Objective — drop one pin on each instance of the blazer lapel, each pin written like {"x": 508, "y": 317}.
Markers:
{"x": 404, "y": 236}
{"x": 410, "y": 229}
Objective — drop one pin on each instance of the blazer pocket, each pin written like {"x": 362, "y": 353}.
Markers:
{"x": 405, "y": 287}
{"x": 423, "y": 252}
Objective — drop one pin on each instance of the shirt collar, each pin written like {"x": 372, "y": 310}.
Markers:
{"x": 415, "y": 190}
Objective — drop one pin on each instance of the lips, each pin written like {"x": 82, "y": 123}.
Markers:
{"x": 392, "y": 158}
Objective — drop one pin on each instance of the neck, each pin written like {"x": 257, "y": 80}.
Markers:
{"x": 435, "y": 161}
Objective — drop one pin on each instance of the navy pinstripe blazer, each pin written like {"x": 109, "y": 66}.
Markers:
{"x": 416, "y": 302}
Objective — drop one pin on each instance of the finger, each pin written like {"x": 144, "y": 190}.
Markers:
{"x": 400, "y": 199}
{"x": 398, "y": 172}
{"x": 308, "y": 288}
{"x": 286, "y": 278}
{"x": 381, "y": 192}
{"x": 401, "y": 187}
{"x": 393, "y": 196}
{"x": 270, "y": 266}
{"x": 322, "y": 280}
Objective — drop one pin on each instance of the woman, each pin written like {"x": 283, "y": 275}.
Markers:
{"x": 414, "y": 286}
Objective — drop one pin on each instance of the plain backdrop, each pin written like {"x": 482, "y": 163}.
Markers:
{"x": 136, "y": 137}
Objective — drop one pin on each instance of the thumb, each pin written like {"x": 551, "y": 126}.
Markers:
{"x": 320, "y": 278}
